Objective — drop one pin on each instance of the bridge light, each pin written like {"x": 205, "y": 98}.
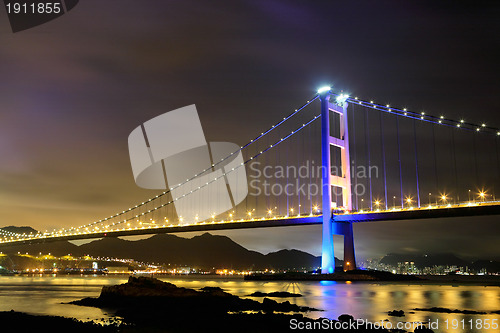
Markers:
{"x": 324, "y": 89}
{"x": 342, "y": 98}
{"x": 483, "y": 125}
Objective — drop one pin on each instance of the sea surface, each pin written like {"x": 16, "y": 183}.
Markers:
{"x": 46, "y": 295}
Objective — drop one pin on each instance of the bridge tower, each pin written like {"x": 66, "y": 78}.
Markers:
{"x": 335, "y": 182}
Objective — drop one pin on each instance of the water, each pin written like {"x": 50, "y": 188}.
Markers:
{"x": 366, "y": 300}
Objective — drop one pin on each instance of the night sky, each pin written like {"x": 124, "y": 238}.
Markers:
{"x": 73, "y": 89}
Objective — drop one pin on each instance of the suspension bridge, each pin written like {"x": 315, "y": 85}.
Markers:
{"x": 336, "y": 160}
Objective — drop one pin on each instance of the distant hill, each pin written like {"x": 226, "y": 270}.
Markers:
{"x": 204, "y": 251}
{"x": 207, "y": 251}
{"x": 20, "y": 230}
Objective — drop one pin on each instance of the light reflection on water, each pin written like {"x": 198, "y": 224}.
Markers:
{"x": 366, "y": 300}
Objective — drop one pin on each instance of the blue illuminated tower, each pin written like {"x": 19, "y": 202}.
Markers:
{"x": 329, "y": 181}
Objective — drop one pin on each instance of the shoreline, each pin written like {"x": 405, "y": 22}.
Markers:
{"x": 378, "y": 276}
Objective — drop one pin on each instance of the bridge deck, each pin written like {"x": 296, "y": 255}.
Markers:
{"x": 203, "y": 226}
{"x": 492, "y": 208}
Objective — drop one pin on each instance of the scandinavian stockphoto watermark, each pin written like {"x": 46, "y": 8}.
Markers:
{"x": 303, "y": 180}
{"x": 204, "y": 178}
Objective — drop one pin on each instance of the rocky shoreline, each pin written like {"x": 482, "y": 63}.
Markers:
{"x": 146, "y": 304}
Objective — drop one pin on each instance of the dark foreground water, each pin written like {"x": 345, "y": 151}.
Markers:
{"x": 365, "y": 300}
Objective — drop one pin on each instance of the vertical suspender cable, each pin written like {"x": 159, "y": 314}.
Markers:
{"x": 435, "y": 157}
{"x": 399, "y": 160}
{"x": 454, "y": 159}
{"x": 475, "y": 158}
{"x": 416, "y": 161}
{"x": 383, "y": 158}
{"x": 367, "y": 143}
{"x": 498, "y": 166}
{"x": 354, "y": 160}
{"x": 279, "y": 181}
{"x": 309, "y": 165}
{"x": 287, "y": 175}
{"x": 319, "y": 175}
{"x": 299, "y": 160}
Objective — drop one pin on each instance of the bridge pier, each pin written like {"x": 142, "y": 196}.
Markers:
{"x": 328, "y": 180}
{"x": 345, "y": 229}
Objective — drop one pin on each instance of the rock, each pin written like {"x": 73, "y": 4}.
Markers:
{"x": 445, "y": 310}
{"x": 396, "y": 313}
{"x": 147, "y": 296}
{"x": 423, "y": 329}
{"x": 211, "y": 289}
{"x": 274, "y": 294}
{"x": 346, "y": 318}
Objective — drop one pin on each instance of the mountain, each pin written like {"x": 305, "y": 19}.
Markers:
{"x": 204, "y": 251}
{"x": 20, "y": 230}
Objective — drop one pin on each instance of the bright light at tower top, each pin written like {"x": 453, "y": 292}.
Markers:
{"x": 342, "y": 98}
{"x": 324, "y": 89}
